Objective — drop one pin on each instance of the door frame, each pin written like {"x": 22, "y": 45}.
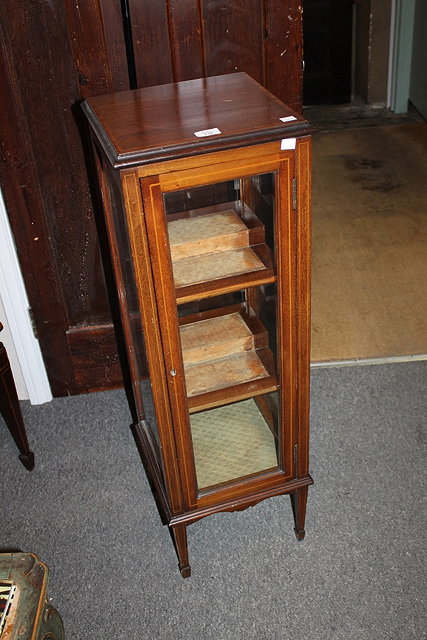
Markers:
{"x": 402, "y": 30}
{"x": 16, "y": 306}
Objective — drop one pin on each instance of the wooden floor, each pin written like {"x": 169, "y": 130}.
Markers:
{"x": 370, "y": 243}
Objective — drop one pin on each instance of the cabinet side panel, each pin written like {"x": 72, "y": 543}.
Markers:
{"x": 142, "y": 259}
{"x": 285, "y": 252}
{"x": 303, "y": 172}
{"x": 149, "y": 409}
{"x": 168, "y": 321}
{"x": 112, "y": 205}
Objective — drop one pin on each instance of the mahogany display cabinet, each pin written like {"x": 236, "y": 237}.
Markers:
{"x": 206, "y": 195}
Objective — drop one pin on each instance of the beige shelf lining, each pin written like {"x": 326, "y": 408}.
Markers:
{"x": 225, "y": 372}
{"x": 213, "y": 266}
{"x": 221, "y": 352}
{"x": 231, "y": 442}
{"x": 211, "y": 246}
{"x": 206, "y": 234}
{"x": 215, "y": 338}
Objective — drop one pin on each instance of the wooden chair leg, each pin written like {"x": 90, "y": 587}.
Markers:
{"x": 179, "y": 535}
{"x": 11, "y": 411}
{"x": 299, "y": 505}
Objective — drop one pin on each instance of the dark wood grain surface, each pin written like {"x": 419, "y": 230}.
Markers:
{"x": 163, "y": 121}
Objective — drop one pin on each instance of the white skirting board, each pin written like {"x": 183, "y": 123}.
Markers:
{"x": 15, "y": 303}
{"x": 367, "y": 361}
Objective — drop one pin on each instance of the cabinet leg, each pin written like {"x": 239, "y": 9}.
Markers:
{"x": 11, "y": 411}
{"x": 179, "y": 535}
{"x": 299, "y": 505}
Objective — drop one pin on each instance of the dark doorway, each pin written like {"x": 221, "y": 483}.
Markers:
{"x": 327, "y": 51}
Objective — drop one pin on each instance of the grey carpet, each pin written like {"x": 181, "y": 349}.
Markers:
{"x": 87, "y": 511}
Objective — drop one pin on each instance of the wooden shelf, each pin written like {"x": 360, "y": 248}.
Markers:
{"x": 226, "y": 358}
{"x": 218, "y": 249}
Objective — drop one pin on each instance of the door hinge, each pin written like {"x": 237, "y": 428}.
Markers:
{"x": 294, "y": 194}
{"x": 33, "y": 322}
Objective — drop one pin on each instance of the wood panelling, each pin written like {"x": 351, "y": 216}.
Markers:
{"x": 284, "y": 51}
{"x": 198, "y": 38}
{"x": 150, "y": 31}
{"x": 111, "y": 14}
{"x": 36, "y": 177}
{"x": 186, "y": 32}
{"x": 234, "y": 35}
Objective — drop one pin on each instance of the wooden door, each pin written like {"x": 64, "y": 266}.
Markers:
{"x": 327, "y": 51}
{"x": 56, "y": 54}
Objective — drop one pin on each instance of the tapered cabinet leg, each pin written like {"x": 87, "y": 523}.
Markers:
{"x": 299, "y": 505}
{"x": 179, "y": 535}
{"x": 11, "y": 411}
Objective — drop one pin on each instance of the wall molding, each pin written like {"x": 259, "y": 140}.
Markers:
{"x": 15, "y": 302}
{"x": 400, "y": 74}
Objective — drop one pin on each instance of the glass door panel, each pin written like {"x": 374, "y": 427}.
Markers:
{"x": 223, "y": 260}
{"x": 133, "y": 321}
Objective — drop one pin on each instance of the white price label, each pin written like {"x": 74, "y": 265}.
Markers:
{"x": 288, "y": 143}
{"x": 207, "y": 132}
{"x": 288, "y": 119}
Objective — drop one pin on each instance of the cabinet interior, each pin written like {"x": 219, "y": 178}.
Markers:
{"x": 226, "y": 357}
{"x": 217, "y": 248}
{"x": 228, "y": 344}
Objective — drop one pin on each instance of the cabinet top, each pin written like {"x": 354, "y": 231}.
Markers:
{"x": 175, "y": 120}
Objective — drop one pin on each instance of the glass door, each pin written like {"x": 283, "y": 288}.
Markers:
{"x": 224, "y": 262}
